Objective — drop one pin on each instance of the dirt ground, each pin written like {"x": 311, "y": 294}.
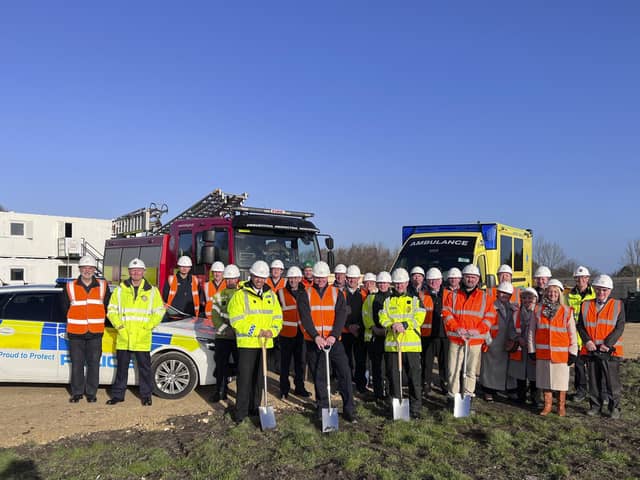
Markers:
{"x": 40, "y": 414}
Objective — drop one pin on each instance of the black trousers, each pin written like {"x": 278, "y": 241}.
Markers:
{"x": 85, "y": 350}
{"x": 410, "y": 366}
{"x": 143, "y": 362}
{"x": 580, "y": 375}
{"x": 604, "y": 382}
{"x": 249, "y": 383}
{"x": 433, "y": 347}
{"x": 375, "y": 350}
{"x": 340, "y": 365}
{"x": 226, "y": 348}
{"x": 292, "y": 347}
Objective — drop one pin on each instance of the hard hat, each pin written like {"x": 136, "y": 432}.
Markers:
{"x": 307, "y": 264}
{"x": 369, "y": 277}
{"x": 294, "y": 272}
{"x": 505, "y": 269}
{"x": 471, "y": 269}
{"x": 434, "y": 274}
{"x": 137, "y": 263}
{"x": 87, "y": 261}
{"x": 555, "y": 283}
{"x": 542, "y": 271}
{"x": 454, "y": 272}
{"x": 321, "y": 269}
{"x": 185, "y": 261}
{"x": 417, "y": 269}
{"x": 277, "y": 264}
{"x": 217, "y": 267}
{"x": 530, "y": 290}
{"x": 505, "y": 287}
{"x": 400, "y": 275}
{"x": 581, "y": 272}
{"x": 353, "y": 271}
{"x": 603, "y": 281}
{"x": 260, "y": 269}
{"x": 340, "y": 268}
{"x": 383, "y": 277}
{"x": 231, "y": 271}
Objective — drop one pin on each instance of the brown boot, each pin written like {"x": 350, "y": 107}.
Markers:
{"x": 562, "y": 402}
{"x": 548, "y": 402}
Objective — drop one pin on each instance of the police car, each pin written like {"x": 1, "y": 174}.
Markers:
{"x": 34, "y": 348}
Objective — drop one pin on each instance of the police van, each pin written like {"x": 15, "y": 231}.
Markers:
{"x": 34, "y": 347}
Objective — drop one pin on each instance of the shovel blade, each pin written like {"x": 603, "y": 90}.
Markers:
{"x": 329, "y": 420}
{"x": 400, "y": 409}
{"x": 461, "y": 405}
{"x": 267, "y": 418}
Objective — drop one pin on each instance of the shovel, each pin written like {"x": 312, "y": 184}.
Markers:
{"x": 462, "y": 405}
{"x": 329, "y": 415}
{"x": 400, "y": 405}
{"x": 267, "y": 417}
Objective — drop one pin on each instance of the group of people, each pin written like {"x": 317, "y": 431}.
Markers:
{"x": 522, "y": 342}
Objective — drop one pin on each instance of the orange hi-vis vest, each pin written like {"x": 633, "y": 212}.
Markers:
{"x": 471, "y": 312}
{"x": 290, "y": 315}
{"x": 323, "y": 310}
{"x": 427, "y": 326}
{"x": 307, "y": 283}
{"x": 515, "y": 296}
{"x": 600, "y": 324}
{"x": 211, "y": 292}
{"x": 276, "y": 287}
{"x": 173, "y": 289}
{"x": 86, "y": 310}
{"x": 552, "y": 335}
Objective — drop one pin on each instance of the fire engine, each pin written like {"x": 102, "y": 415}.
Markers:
{"x": 216, "y": 228}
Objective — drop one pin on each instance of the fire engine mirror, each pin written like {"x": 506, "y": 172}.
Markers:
{"x": 329, "y": 244}
{"x": 209, "y": 236}
{"x": 208, "y": 254}
{"x": 331, "y": 260}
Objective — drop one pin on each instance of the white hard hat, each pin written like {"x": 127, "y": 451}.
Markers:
{"x": 434, "y": 274}
{"x": 137, "y": 263}
{"x": 340, "y": 268}
{"x": 260, "y": 269}
{"x": 471, "y": 269}
{"x": 555, "y": 283}
{"x": 530, "y": 290}
{"x": 383, "y": 277}
{"x": 294, "y": 272}
{"x": 369, "y": 277}
{"x": 185, "y": 261}
{"x": 231, "y": 271}
{"x": 417, "y": 269}
{"x": 603, "y": 281}
{"x": 353, "y": 271}
{"x": 542, "y": 271}
{"x": 321, "y": 269}
{"x": 87, "y": 261}
{"x": 217, "y": 267}
{"x": 505, "y": 287}
{"x": 505, "y": 269}
{"x": 400, "y": 275}
{"x": 454, "y": 272}
{"x": 581, "y": 272}
{"x": 277, "y": 264}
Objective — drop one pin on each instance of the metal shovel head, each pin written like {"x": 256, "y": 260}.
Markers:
{"x": 461, "y": 405}
{"x": 329, "y": 420}
{"x": 267, "y": 418}
{"x": 400, "y": 409}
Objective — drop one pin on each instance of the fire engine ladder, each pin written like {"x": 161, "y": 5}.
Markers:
{"x": 141, "y": 221}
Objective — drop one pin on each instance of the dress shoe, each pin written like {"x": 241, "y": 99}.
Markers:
{"x": 579, "y": 396}
{"x": 215, "y": 398}
{"x": 283, "y": 396}
{"x": 488, "y": 397}
{"x": 114, "y": 400}
{"x": 91, "y": 399}
{"x": 223, "y": 395}
{"x": 75, "y": 398}
{"x": 146, "y": 401}
{"x": 594, "y": 411}
{"x": 302, "y": 393}
{"x": 349, "y": 417}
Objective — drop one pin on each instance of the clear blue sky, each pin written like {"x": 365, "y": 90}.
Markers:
{"x": 371, "y": 114}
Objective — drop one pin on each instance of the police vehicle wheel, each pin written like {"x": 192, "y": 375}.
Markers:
{"x": 174, "y": 375}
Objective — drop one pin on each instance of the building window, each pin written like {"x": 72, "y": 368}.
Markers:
{"x": 17, "y": 274}
{"x": 17, "y": 229}
{"x": 64, "y": 271}
{"x": 68, "y": 230}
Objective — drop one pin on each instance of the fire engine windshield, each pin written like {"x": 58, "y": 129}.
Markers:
{"x": 269, "y": 246}
{"x": 440, "y": 252}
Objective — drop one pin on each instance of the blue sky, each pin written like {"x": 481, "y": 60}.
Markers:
{"x": 372, "y": 114}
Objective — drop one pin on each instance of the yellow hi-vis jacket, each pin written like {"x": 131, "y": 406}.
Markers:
{"x": 405, "y": 309}
{"x": 135, "y": 316}
{"x": 249, "y": 313}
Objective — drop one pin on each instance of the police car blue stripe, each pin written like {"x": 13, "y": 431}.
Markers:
{"x": 49, "y": 336}
{"x": 159, "y": 339}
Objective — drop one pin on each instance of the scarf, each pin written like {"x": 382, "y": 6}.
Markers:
{"x": 549, "y": 309}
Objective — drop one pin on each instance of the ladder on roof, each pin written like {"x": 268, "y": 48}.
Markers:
{"x": 140, "y": 221}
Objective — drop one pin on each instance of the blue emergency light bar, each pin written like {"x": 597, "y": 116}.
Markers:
{"x": 489, "y": 231}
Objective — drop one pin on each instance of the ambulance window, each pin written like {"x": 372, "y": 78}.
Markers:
{"x": 518, "y": 254}
{"x": 185, "y": 245}
{"x": 506, "y": 250}
{"x": 30, "y": 306}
